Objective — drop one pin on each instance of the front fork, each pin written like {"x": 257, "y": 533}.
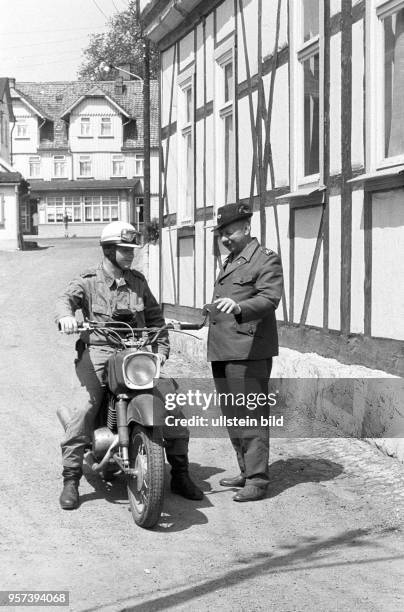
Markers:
{"x": 123, "y": 429}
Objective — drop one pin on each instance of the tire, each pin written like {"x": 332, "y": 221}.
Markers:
{"x": 146, "y": 495}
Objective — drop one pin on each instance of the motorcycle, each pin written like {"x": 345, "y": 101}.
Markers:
{"x": 129, "y": 432}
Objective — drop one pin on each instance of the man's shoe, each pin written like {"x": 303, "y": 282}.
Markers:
{"x": 69, "y": 499}
{"x": 235, "y": 481}
{"x": 249, "y": 493}
{"x": 181, "y": 484}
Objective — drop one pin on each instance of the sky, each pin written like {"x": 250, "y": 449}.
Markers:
{"x": 42, "y": 40}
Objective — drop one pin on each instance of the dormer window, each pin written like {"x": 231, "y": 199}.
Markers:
{"x": 106, "y": 126}
{"x": 85, "y": 126}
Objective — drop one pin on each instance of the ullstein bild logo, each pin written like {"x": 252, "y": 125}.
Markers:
{"x": 224, "y": 421}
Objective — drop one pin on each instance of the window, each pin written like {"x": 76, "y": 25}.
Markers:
{"x": 187, "y": 179}
{"x": 84, "y": 165}
{"x": 390, "y": 91}
{"x": 185, "y": 143}
{"x": 34, "y": 166}
{"x": 225, "y": 139}
{"x": 103, "y": 207}
{"x": 118, "y": 165}
{"x": 106, "y": 126}
{"x": 22, "y": 130}
{"x": 139, "y": 165}
{"x": 59, "y": 166}
{"x": 85, "y": 126}
{"x": 59, "y": 206}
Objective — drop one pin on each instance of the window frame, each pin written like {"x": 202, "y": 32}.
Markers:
{"x": 21, "y": 124}
{"x": 224, "y": 56}
{"x": 186, "y": 131}
{"x": 376, "y": 12}
{"x": 102, "y": 124}
{"x": 117, "y": 158}
{"x": 34, "y": 160}
{"x": 301, "y": 51}
{"x": 88, "y": 159}
{"x": 139, "y": 159}
{"x": 85, "y": 120}
{"x": 56, "y": 160}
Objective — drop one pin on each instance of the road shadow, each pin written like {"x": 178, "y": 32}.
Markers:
{"x": 29, "y": 245}
{"x": 308, "y": 553}
{"x": 284, "y": 474}
{"x": 180, "y": 514}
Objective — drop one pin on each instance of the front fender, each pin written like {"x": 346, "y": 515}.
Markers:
{"x": 147, "y": 410}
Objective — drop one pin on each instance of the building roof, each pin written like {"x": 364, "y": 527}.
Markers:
{"x": 84, "y": 185}
{"x": 52, "y": 100}
{"x": 10, "y": 177}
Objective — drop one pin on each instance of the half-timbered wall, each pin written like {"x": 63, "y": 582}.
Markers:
{"x": 325, "y": 194}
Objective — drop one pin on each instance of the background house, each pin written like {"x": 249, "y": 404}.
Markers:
{"x": 80, "y": 144}
{"x": 295, "y": 108}
{"x": 13, "y": 189}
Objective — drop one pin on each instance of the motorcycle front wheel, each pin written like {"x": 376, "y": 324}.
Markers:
{"x": 146, "y": 487}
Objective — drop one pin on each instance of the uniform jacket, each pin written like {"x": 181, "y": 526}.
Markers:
{"x": 97, "y": 295}
{"x": 254, "y": 279}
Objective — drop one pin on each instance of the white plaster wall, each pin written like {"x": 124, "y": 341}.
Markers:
{"x": 199, "y": 264}
{"x": 199, "y": 131}
{"x": 283, "y": 251}
{"x": 200, "y": 71}
{"x": 387, "y": 264}
{"x": 9, "y": 230}
{"x": 269, "y": 16}
{"x": 335, "y": 7}
{"x": 334, "y": 274}
{"x": 358, "y": 67}
{"x": 167, "y": 68}
{"x": 210, "y": 161}
{"x": 186, "y": 257}
{"x": 210, "y": 263}
{"x": 170, "y": 205}
{"x": 169, "y": 264}
{"x": 210, "y": 61}
{"x": 225, "y": 21}
{"x": 186, "y": 50}
{"x": 307, "y": 222}
{"x": 245, "y": 146}
{"x": 335, "y": 104}
{"x": 153, "y": 269}
{"x": 279, "y": 127}
{"x": 357, "y": 263}
{"x": 250, "y": 11}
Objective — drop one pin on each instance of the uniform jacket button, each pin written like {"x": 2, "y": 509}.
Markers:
{"x": 251, "y": 331}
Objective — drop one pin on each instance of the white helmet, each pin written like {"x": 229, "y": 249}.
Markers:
{"x": 120, "y": 233}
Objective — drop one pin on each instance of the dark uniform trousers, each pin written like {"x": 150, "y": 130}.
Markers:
{"x": 250, "y": 443}
{"x": 90, "y": 372}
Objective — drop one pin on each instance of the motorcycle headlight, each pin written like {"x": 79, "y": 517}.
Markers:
{"x": 140, "y": 369}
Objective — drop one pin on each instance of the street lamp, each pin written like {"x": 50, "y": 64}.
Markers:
{"x": 105, "y": 68}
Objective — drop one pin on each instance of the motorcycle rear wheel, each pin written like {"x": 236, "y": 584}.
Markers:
{"x": 146, "y": 490}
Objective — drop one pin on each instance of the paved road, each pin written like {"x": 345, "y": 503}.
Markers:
{"x": 328, "y": 537}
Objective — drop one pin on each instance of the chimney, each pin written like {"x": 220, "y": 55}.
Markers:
{"x": 11, "y": 83}
{"x": 118, "y": 86}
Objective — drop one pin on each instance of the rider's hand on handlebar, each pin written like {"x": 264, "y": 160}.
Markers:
{"x": 68, "y": 325}
{"x": 227, "y": 305}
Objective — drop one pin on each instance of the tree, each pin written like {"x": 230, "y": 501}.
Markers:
{"x": 121, "y": 45}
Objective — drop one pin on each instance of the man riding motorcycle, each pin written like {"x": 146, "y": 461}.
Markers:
{"x": 99, "y": 292}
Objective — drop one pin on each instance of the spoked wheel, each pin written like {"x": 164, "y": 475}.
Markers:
{"x": 146, "y": 487}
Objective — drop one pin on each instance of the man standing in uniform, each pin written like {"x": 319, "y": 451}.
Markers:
{"x": 98, "y": 293}
{"x": 243, "y": 339}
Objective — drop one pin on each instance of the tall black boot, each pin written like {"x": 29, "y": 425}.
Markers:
{"x": 181, "y": 482}
{"x": 69, "y": 498}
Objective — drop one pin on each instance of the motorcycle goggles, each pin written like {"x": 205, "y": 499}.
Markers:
{"x": 130, "y": 236}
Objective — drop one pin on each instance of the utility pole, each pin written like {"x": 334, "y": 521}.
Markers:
{"x": 146, "y": 132}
